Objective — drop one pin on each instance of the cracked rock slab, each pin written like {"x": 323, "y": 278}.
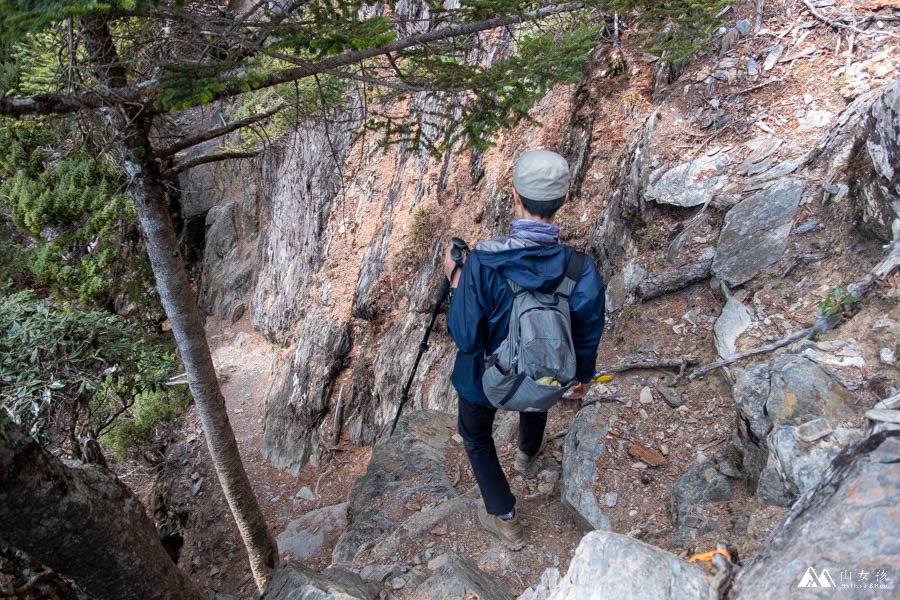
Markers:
{"x": 756, "y": 231}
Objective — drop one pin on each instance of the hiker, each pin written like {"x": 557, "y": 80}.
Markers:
{"x": 530, "y": 258}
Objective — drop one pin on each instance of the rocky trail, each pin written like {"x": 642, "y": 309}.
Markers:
{"x": 745, "y": 215}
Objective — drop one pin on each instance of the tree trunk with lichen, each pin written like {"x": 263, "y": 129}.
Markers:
{"x": 131, "y": 125}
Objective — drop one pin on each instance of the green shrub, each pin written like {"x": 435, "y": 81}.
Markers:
{"x": 66, "y": 374}
{"x": 83, "y": 239}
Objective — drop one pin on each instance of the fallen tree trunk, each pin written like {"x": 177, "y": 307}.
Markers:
{"x": 84, "y": 523}
{"x": 667, "y": 282}
{"x": 639, "y": 362}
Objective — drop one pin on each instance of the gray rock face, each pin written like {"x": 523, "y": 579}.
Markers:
{"x": 582, "y": 449}
{"x": 755, "y": 232}
{"x": 800, "y": 464}
{"x": 394, "y": 360}
{"x": 405, "y": 467}
{"x": 292, "y": 247}
{"x": 611, "y": 241}
{"x": 789, "y": 391}
{"x": 842, "y": 525}
{"x": 365, "y": 295}
{"x": 702, "y": 484}
{"x": 304, "y": 537}
{"x": 616, "y": 567}
{"x": 459, "y": 577}
{"x": 227, "y": 263}
{"x": 619, "y": 292}
{"x": 293, "y": 581}
{"x": 298, "y": 399}
{"x": 690, "y": 184}
{"x": 229, "y": 195}
{"x": 874, "y": 176}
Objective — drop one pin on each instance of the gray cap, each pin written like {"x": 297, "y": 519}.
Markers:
{"x": 541, "y": 175}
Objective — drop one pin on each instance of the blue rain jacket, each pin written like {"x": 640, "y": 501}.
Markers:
{"x": 478, "y": 319}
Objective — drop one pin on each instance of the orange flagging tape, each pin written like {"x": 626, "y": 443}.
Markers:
{"x": 708, "y": 556}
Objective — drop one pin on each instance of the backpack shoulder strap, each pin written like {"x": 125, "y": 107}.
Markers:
{"x": 573, "y": 274}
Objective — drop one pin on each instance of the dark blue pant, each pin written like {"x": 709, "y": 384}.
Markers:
{"x": 475, "y": 423}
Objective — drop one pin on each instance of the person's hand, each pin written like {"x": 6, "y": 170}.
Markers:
{"x": 579, "y": 391}
{"x": 449, "y": 265}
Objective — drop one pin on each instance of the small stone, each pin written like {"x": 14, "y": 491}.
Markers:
{"x": 546, "y": 488}
{"x": 807, "y": 98}
{"x": 610, "y": 499}
{"x": 639, "y": 466}
{"x": 814, "y": 119}
{"x": 633, "y": 512}
{"x": 306, "y": 494}
{"x": 669, "y": 396}
{"x": 643, "y": 414}
{"x": 743, "y": 26}
{"x": 456, "y": 438}
{"x": 814, "y": 430}
{"x": 195, "y": 476}
{"x": 807, "y": 227}
{"x": 773, "y": 56}
{"x": 646, "y": 455}
{"x": 196, "y": 487}
{"x": 397, "y": 583}
{"x": 752, "y": 67}
{"x": 215, "y": 571}
{"x": 887, "y": 356}
{"x": 437, "y": 562}
{"x": 664, "y": 449}
{"x": 646, "y": 396}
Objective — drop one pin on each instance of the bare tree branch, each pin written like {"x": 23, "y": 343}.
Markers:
{"x": 144, "y": 93}
{"x": 840, "y": 24}
{"x": 218, "y": 132}
{"x": 209, "y": 158}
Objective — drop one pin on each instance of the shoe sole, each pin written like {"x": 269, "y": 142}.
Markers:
{"x": 514, "y": 546}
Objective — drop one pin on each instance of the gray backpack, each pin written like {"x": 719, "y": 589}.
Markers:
{"x": 535, "y": 364}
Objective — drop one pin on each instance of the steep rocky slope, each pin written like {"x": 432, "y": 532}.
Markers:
{"x": 727, "y": 209}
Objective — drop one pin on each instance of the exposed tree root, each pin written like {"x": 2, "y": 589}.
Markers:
{"x": 857, "y": 289}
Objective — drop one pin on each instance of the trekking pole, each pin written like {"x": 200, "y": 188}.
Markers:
{"x": 456, "y": 253}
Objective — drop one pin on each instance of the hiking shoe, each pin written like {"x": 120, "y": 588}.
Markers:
{"x": 524, "y": 463}
{"x": 510, "y": 532}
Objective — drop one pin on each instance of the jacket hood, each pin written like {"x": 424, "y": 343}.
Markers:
{"x": 535, "y": 267}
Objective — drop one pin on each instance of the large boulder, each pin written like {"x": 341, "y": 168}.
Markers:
{"x": 841, "y": 532}
{"x": 293, "y": 581}
{"x": 298, "y": 398}
{"x": 305, "y": 536}
{"x": 459, "y": 577}
{"x": 690, "y": 184}
{"x": 582, "y": 448}
{"x": 789, "y": 391}
{"x": 756, "y": 231}
{"x": 612, "y": 566}
{"x": 406, "y": 467}
{"x": 860, "y": 155}
{"x": 702, "y": 485}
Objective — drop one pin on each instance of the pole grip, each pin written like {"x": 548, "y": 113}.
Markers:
{"x": 442, "y": 293}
